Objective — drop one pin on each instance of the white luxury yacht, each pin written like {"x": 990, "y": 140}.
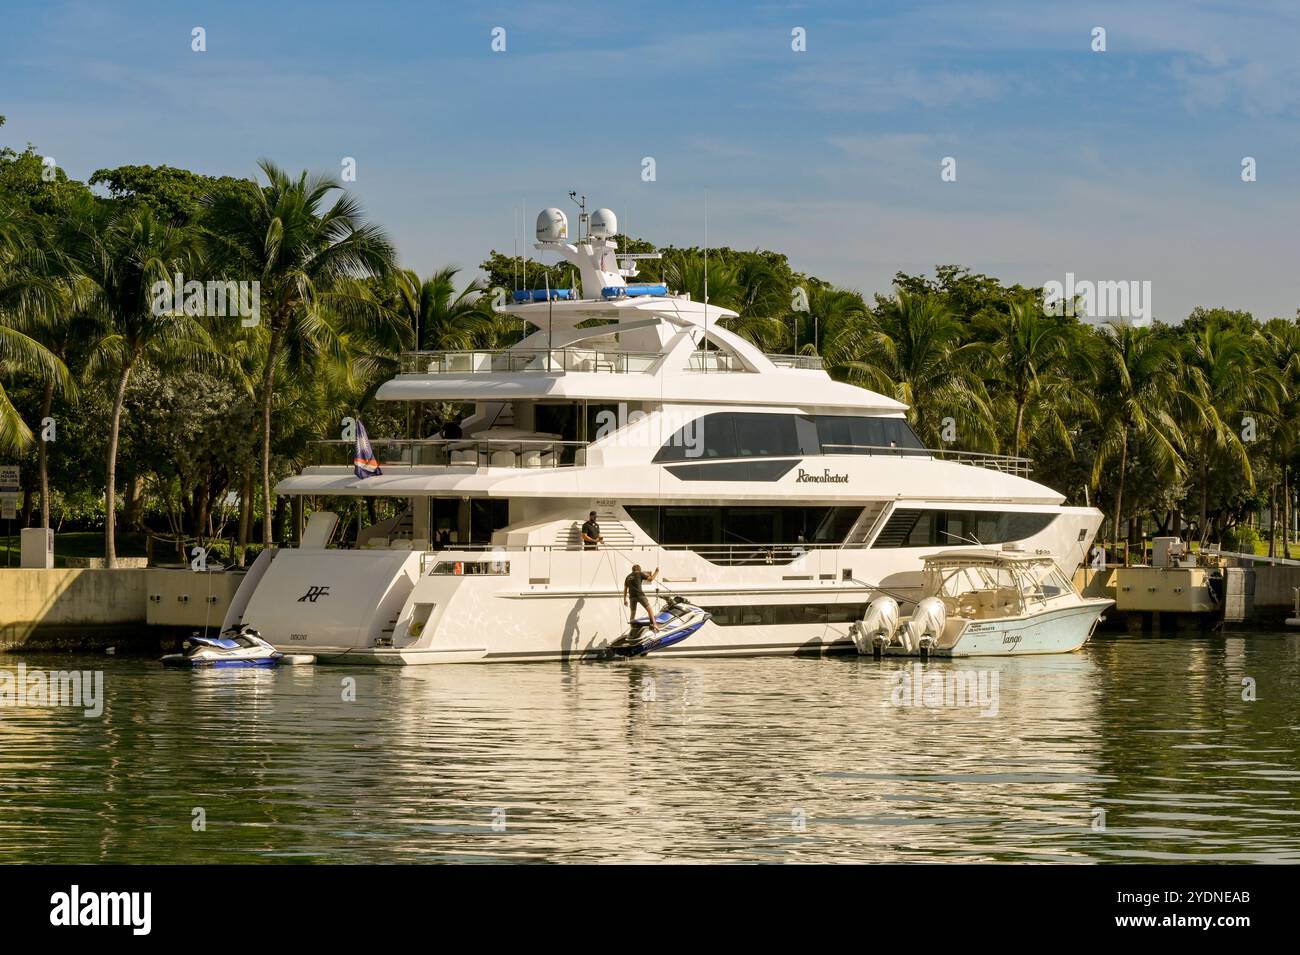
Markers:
{"x": 773, "y": 497}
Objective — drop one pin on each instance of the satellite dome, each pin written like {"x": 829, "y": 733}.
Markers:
{"x": 604, "y": 224}
{"x": 552, "y": 226}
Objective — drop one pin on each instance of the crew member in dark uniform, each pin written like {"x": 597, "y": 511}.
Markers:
{"x": 591, "y": 538}
{"x": 632, "y": 592}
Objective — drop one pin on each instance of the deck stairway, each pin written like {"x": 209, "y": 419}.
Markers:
{"x": 617, "y": 535}
{"x": 862, "y": 529}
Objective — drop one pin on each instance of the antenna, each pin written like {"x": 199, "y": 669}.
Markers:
{"x": 550, "y": 309}
{"x": 706, "y": 281}
{"x": 581, "y": 203}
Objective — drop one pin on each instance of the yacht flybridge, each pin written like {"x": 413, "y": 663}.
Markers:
{"x": 776, "y": 500}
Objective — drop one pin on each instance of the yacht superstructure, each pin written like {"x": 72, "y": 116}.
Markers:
{"x": 773, "y": 497}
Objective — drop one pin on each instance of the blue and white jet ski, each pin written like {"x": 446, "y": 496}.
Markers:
{"x": 677, "y": 621}
{"x": 240, "y": 646}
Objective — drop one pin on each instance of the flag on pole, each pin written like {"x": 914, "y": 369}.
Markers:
{"x": 364, "y": 463}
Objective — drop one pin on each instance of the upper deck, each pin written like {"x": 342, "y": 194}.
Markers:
{"x": 652, "y": 349}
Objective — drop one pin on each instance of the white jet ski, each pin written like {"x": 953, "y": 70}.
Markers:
{"x": 240, "y": 646}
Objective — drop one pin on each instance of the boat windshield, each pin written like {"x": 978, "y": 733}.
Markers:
{"x": 1043, "y": 580}
{"x": 1009, "y": 587}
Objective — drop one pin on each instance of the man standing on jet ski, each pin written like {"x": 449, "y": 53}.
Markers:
{"x": 632, "y": 589}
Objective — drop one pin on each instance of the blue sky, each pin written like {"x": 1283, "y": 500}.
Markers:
{"x": 1117, "y": 165}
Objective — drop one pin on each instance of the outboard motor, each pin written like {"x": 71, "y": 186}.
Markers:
{"x": 925, "y": 626}
{"x": 875, "y": 630}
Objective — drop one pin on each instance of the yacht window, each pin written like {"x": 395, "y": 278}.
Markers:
{"x": 916, "y": 527}
{"x": 764, "y": 435}
{"x": 730, "y": 434}
{"x": 777, "y": 615}
{"x": 696, "y": 525}
{"x": 714, "y": 437}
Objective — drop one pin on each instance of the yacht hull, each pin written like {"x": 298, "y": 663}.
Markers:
{"x": 413, "y": 608}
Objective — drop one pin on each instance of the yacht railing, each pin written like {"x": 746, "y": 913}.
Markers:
{"x": 748, "y": 554}
{"x": 458, "y": 452}
{"x": 995, "y": 462}
{"x": 716, "y": 361}
{"x": 570, "y": 359}
{"x": 802, "y": 362}
{"x": 1006, "y": 463}
{"x": 527, "y": 360}
{"x": 727, "y": 555}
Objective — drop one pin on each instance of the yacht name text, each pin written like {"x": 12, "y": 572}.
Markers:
{"x": 824, "y": 478}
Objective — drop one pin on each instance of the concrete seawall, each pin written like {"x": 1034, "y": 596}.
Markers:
{"x": 81, "y": 608}
{"x": 40, "y": 608}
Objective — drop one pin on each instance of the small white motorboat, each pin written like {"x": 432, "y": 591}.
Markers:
{"x": 984, "y": 603}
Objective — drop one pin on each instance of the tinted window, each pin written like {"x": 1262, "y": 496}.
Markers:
{"x": 729, "y": 434}
{"x": 912, "y": 527}
{"x": 833, "y": 432}
{"x": 744, "y": 525}
{"x": 776, "y": 615}
{"x": 712, "y": 436}
{"x": 765, "y": 435}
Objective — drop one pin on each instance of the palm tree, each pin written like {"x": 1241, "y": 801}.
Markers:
{"x": 123, "y": 255}
{"x": 747, "y": 289}
{"x": 441, "y": 318}
{"x": 1282, "y": 346}
{"x": 1034, "y": 356}
{"x": 839, "y": 321}
{"x": 764, "y": 289}
{"x": 1224, "y": 382}
{"x": 913, "y": 352}
{"x": 31, "y": 296}
{"x": 1138, "y": 374}
{"x": 300, "y": 250}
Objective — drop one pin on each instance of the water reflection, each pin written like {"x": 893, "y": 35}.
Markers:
{"x": 1135, "y": 750}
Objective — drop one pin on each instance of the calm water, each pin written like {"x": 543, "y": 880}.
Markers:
{"x": 768, "y": 760}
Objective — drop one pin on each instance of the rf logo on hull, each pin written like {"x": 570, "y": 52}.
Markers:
{"x": 313, "y": 593}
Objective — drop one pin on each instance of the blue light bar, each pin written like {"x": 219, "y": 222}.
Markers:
{"x": 539, "y": 294}
{"x": 632, "y": 291}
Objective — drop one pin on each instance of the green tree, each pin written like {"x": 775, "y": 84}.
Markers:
{"x": 1224, "y": 381}
{"x": 123, "y": 254}
{"x": 1035, "y": 360}
{"x": 301, "y": 250}
{"x": 914, "y": 353}
{"x": 440, "y": 317}
{"x": 31, "y": 297}
{"x": 1138, "y": 375}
